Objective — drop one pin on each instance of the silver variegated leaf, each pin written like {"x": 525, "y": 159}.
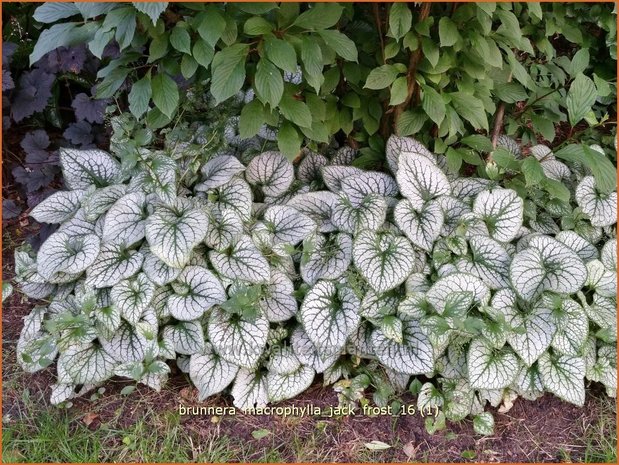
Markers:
{"x": 310, "y": 166}
{"x": 238, "y": 340}
{"x": 100, "y": 201}
{"x": 58, "y": 207}
{"x": 87, "y": 364}
{"x": 585, "y": 250}
{"x": 243, "y": 261}
{"x": 421, "y": 226}
{"x": 318, "y": 206}
{"x": 187, "y": 337}
{"x": 278, "y": 302}
{"x": 84, "y": 168}
{"x": 535, "y": 330}
{"x": 132, "y": 296}
{"x": 375, "y": 305}
{"x": 609, "y": 255}
{"x": 224, "y": 227}
{"x": 357, "y": 187}
{"x": 308, "y": 354}
{"x": 344, "y": 156}
{"x": 396, "y": 146}
{"x": 420, "y": 180}
{"x": 283, "y": 360}
{"x": 384, "y": 259}
{"x": 218, "y": 171}
{"x": 329, "y": 315}
{"x": 600, "y": 208}
{"x": 156, "y": 270}
{"x": 369, "y": 214}
{"x": 325, "y": 257}
{"x": 490, "y": 368}
{"x": 333, "y": 175}
{"x": 235, "y": 195}
{"x": 173, "y": 231}
{"x": 546, "y": 264}
{"x": 488, "y": 260}
{"x": 250, "y": 390}
{"x": 288, "y": 225}
{"x": 210, "y": 373}
{"x": 439, "y": 293}
{"x": 467, "y": 188}
{"x": 563, "y": 375}
{"x": 501, "y": 210}
{"x": 196, "y": 291}
{"x": 572, "y": 329}
{"x": 125, "y": 220}
{"x": 286, "y": 386}
{"x": 271, "y": 171}
{"x": 412, "y": 356}
{"x": 63, "y": 253}
{"x": 78, "y": 225}
{"x": 128, "y": 344}
{"x": 113, "y": 264}
{"x": 556, "y": 170}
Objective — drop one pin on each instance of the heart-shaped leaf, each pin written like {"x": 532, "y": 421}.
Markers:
{"x": 64, "y": 253}
{"x": 422, "y": 226}
{"x": 196, "y": 291}
{"x": 488, "y": 260}
{"x": 325, "y": 257}
{"x": 563, "y": 375}
{"x": 414, "y": 355}
{"x": 420, "y": 180}
{"x": 84, "y": 168}
{"x": 242, "y": 260}
{"x": 546, "y": 264}
{"x": 172, "y": 232}
{"x": 369, "y": 214}
{"x": 501, "y": 210}
{"x": 125, "y": 220}
{"x": 238, "y": 340}
{"x": 384, "y": 259}
{"x": 599, "y": 207}
{"x": 210, "y": 373}
{"x": 132, "y": 296}
{"x": 113, "y": 264}
{"x": 490, "y": 368}
{"x": 271, "y": 171}
{"x": 288, "y": 225}
{"x": 218, "y": 171}
{"x": 58, "y": 207}
{"x": 329, "y": 315}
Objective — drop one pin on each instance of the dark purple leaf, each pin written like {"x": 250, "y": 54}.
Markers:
{"x": 35, "y": 144}
{"x": 7, "y": 80}
{"x": 8, "y": 49}
{"x": 35, "y": 89}
{"x": 89, "y": 109}
{"x": 72, "y": 59}
{"x": 79, "y": 133}
{"x": 45, "y": 231}
{"x": 10, "y": 209}
{"x": 33, "y": 179}
{"x": 111, "y": 50}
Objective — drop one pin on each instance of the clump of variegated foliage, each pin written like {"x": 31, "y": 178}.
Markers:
{"x": 257, "y": 275}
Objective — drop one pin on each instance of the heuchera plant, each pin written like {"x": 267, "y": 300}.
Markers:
{"x": 255, "y": 274}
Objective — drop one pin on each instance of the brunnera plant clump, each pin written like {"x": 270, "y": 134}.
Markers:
{"x": 255, "y": 275}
